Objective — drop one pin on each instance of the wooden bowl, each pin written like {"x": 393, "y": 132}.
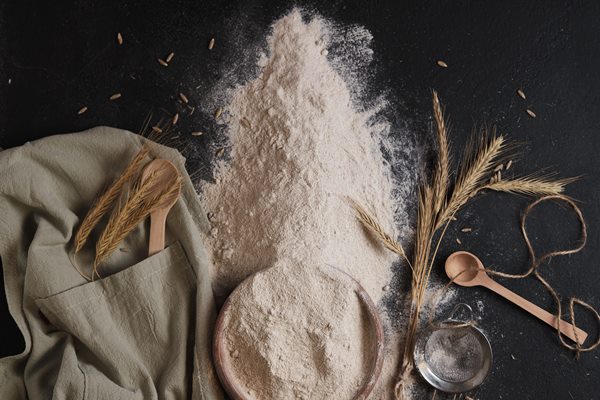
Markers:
{"x": 227, "y": 377}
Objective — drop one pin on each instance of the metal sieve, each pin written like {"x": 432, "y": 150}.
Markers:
{"x": 455, "y": 356}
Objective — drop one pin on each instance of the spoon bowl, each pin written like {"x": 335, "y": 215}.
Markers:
{"x": 464, "y": 268}
{"x": 166, "y": 175}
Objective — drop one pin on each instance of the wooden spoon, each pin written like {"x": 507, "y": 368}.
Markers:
{"x": 472, "y": 273}
{"x": 168, "y": 175}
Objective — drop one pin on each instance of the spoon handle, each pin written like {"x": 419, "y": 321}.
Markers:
{"x": 158, "y": 220}
{"x": 566, "y": 328}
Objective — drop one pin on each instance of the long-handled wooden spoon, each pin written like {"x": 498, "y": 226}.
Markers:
{"x": 472, "y": 273}
{"x": 167, "y": 176}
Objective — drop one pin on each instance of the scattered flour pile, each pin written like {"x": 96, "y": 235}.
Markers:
{"x": 299, "y": 145}
{"x": 299, "y": 148}
{"x": 298, "y": 332}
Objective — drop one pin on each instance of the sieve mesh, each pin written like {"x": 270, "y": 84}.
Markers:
{"x": 454, "y": 354}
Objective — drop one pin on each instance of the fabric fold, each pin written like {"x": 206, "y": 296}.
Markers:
{"x": 142, "y": 332}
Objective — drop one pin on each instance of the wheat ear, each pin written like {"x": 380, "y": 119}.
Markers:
{"x": 142, "y": 202}
{"x": 530, "y": 186}
{"x": 477, "y": 163}
{"x": 373, "y": 226}
{"x": 103, "y": 204}
{"x": 442, "y": 169}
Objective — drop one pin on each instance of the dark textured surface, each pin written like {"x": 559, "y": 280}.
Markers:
{"x": 60, "y": 57}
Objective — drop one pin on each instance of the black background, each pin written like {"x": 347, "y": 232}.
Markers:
{"x": 59, "y": 56}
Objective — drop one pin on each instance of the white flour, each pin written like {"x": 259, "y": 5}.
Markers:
{"x": 298, "y": 332}
{"x": 299, "y": 148}
{"x": 300, "y": 142}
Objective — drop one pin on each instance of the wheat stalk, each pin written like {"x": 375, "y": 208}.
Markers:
{"x": 102, "y": 205}
{"x": 142, "y": 201}
{"x": 442, "y": 173}
{"x": 373, "y": 226}
{"x": 436, "y": 210}
{"x": 477, "y": 163}
{"x": 530, "y": 186}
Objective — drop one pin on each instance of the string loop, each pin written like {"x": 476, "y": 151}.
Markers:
{"x": 534, "y": 271}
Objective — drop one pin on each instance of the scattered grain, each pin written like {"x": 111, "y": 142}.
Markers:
{"x": 508, "y": 165}
{"x": 220, "y": 152}
{"x": 466, "y": 230}
{"x": 192, "y": 109}
{"x": 183, "y": 98}
{"x": 498, "y": 176}
{"x": 82, "y": 110}
{"x": 499, "y": 167}
{"x": 245, "y": 123}
{"x": 163, "y": 62}
{"x": 531, "y": 113}
{"x": 175, "y": 118}
{"x": 197, "y": 133}
{"x": 119, "y": 38}
{"x": 521, "y": 94}
{"x": 170, "y": 57}
{"x": 458, "y": 241}
{"x": 157, "y": 129}
{"x": 218, "y": 113}
{"x": 115, "y": 96}
{"x": 211, "y": 44}
{"x": 513, "y": 357}
{"x": 442, "y": 64}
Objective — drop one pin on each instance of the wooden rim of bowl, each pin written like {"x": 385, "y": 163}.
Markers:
{"x": 226, "y": 375}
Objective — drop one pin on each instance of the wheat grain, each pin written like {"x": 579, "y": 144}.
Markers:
{"x": 531, "y": 113}
{"x": 119, "y": 38}
{"x": 183, "y": 98}
{"x": 211, "y": 44}
{"x": 82, "y": 110}
{"x": 163, "y": 62}
{"x": 175, "y": 119}
{"x": 442, "y": 64}
{"x": 170, "y": 57}
{"x": 245, "y": 123}
{"x": 115, "y": 96}
{"x": 521, "y": 94}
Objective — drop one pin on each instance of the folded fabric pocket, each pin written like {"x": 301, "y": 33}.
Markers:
{"x": 134, "y": 330}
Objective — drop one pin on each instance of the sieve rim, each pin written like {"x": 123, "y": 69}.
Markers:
{"x": 439, "y": 382}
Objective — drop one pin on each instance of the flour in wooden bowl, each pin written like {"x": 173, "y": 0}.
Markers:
{"x": 298, "y": 332}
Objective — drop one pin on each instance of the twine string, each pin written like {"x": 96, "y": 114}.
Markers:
{"x": 534, "y": 271}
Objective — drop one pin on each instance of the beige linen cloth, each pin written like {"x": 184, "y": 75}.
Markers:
{"x": 142, "y": 332}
